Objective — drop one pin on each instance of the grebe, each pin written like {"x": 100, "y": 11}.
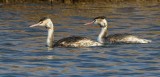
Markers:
{"x": 116, "y": 38}
{"x": 73, "y": 41}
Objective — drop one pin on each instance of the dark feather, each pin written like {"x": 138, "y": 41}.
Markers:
{"x": 100, "y": 17}
{"x": 43, "y": 18}
{"x": 71, "y": 39}
{"x": 115, "y": 37}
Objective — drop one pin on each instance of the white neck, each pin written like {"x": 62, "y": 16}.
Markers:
{"x": 102, "y": 35}
{"x": 50, "y": 37}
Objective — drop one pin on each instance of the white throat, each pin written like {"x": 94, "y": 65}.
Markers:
{"x": 50, "y": 37}
{"x": 102, "y": 35}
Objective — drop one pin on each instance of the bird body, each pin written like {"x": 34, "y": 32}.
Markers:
{"x": 76, "y": 41}
{"x": 125, "y": 38}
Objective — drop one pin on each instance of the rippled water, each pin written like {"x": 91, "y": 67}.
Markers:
{"x": 23, "y": 51}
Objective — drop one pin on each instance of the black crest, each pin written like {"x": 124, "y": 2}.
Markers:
{"x": 43, "y": 18}
{"x": 100, "y": 17}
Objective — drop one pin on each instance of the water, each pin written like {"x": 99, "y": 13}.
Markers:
{"x": 23, "y": 52}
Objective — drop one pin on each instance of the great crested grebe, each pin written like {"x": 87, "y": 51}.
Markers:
{"x": 73, "y": 41}
{"x": 116, "y": 38}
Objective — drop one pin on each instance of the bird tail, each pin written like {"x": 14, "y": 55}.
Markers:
{"x": 144, "y": 41}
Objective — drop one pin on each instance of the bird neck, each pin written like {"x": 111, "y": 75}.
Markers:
{"x": 50, "y": 37}
{"x": 102, "y": 35}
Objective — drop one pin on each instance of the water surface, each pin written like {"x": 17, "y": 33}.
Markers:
{"x": 23, "y": 51}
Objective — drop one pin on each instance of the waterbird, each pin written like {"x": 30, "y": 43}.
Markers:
{"x": 115, "y": 38}
{"x": 72, "y": 41}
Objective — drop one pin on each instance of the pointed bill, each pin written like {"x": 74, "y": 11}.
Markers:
{"x": 38, "y": 24}
{"x": 89, "y": 23}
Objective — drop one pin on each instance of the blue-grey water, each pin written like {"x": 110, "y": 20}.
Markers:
{"x": 23, "y": 52}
